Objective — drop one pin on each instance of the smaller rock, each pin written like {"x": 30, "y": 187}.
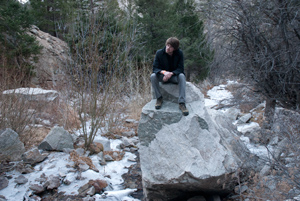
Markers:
{"x": 33, "y": 156}
{"x": 131, "y": 121}
{"x": 108, "y": 158}
{"x": 132, "y": 159}
{"x": 83, "y": 166}
{"x": 53, "y": 182}
{"x": 244, "y": 118}
{"x": 3, "y": 182}
{"x": 80, "y": 151}
{"x": 21, "y": 180}
{"x": 232, "y": 113}
{"x": 98, "y": 184}
{"x": 36, "y": 188}
{"x": 2, "y": 198}
{"x": 91, "y": 191}
{"x": 82, "y": 191}
{"x": 88, "y": 198}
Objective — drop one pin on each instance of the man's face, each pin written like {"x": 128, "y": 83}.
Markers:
{"x": 169, "y": 49}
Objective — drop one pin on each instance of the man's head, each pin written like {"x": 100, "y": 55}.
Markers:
{"x": 174, "y": 42}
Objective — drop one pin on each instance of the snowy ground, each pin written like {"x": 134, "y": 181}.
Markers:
{"x": 57, "y": 163}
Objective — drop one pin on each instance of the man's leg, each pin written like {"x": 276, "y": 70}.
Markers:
{"x": 155, "y": 79}
{"x": 180, "y": 80}
{"x": 182, "y": 85}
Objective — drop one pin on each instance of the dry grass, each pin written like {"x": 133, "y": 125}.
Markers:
{"x": 79, "y": 160}
{"x": 33, "y": 136}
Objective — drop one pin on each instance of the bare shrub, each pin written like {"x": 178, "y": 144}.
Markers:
{"x": 100, "y": 51}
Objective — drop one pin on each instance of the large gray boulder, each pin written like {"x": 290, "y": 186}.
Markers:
{"x": 58, "y": 139}
{"x": 190, "y": 153}
{"x": 10, "y": 145}
{"x": 52, "y": 59}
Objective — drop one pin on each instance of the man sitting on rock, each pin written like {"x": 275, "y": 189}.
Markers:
{"x": 168, "y": 67}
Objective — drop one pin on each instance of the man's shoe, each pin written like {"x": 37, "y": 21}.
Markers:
{"x": 183, "y": 109}
{"x": 159, "y": 102}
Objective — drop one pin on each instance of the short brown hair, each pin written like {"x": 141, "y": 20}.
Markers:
{"x": 174, "y": 42}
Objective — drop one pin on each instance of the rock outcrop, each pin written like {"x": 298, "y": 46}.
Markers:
{"x": 54, "y": 56}
{"x": 11, "y": 147}
{"x": 183, "y": 154}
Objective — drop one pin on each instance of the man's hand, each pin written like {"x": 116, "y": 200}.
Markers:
{"x": 167, "y": 76}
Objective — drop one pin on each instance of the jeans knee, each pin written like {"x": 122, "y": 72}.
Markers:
{"x": 153, "y": 77}
{"x": 181, "y": 76}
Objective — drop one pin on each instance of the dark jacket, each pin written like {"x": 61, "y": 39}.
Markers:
{"x": 164, "y": 61}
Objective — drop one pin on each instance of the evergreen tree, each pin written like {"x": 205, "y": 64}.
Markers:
{"x": 156, "y": 22}
{"x": 55, "y": 16}
{"x": 16, "y": 44}
{"x": 190, "y": 30}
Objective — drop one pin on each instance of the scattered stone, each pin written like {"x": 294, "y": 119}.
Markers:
{"x": 2, "y": 198}
{"x": 244, "y": 118}
{"x": 37, "y": 188}
{"x": 232, "y": 114}
{"x": 80, "y": 151}
{"x": 53, "y": 182}
{"x": 131, "y": 121}
{"x": 57, "y": 140}
{"x": 21, "y": 180}
{"x": 10, "y": 145}
{"x": 83, "y": 166}
{"x": 98, "y": 184}
{"x": 88, "y": 198}
{"x": 3, "y": 182}
{"x": 108, "y": 158}
{"x": 33, "y": 156}
{"x": 132, "y": 159}
{"x": 91, "y": 191}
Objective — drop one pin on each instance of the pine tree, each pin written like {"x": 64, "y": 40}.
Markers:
{"x": 55, "y": 16}
{"x": 15, "y": 43}
{"x": 190, "y": 30}
{"x": 156, "y": 22}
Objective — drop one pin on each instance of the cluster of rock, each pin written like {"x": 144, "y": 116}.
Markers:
{"x": 60, "y": 140}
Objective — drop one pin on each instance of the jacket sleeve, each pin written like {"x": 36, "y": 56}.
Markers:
{"x": 157, "y": 63}
{"x": 180, "y": 64}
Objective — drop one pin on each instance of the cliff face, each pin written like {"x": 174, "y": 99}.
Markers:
{"x": 53, "y": 58}
{"x": 188, "y": 153}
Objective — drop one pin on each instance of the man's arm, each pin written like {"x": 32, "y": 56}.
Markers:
{"x": 180, "y": 65}
{"x": 157, "y": 63}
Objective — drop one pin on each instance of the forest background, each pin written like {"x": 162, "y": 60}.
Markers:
{"x": 113, "y": 44}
